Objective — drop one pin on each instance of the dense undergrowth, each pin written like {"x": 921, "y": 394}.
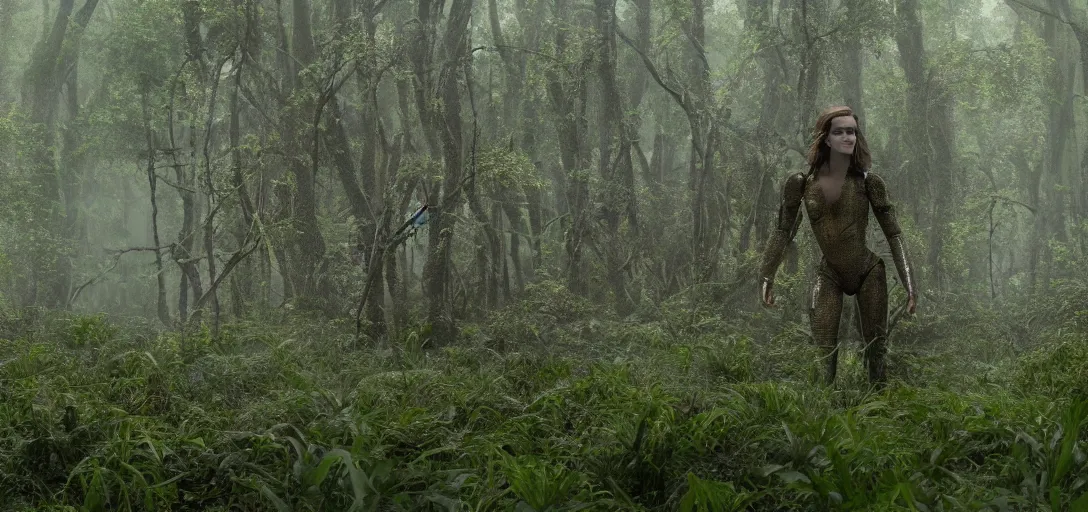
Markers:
{"x": 546, "y": 405}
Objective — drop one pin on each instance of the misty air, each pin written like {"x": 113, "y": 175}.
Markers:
{"x": 543, "y": 255}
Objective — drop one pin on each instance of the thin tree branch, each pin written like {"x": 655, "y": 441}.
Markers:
{"x": 1041, "y": 10}
{"x": 118, "y": 252}
{"x": 1013, "y": 201}
{"x": 116, "y": 260}
{"x": 499, "y": 47}
{"x": 233, "y": 262}
{"x": 653, "y": 70}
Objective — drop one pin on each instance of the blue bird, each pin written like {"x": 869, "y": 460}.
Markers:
{"x": 418, "y": 219}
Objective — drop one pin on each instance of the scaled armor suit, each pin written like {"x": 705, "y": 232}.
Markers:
{"x": 848, "y": 266}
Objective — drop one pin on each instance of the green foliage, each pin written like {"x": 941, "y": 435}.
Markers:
{"x": 90, "y": 331}
{"x": 1058, "y": 369}
{"x": 501, "y": 169}
{"x": 587, "y": 414}
{"x": 22, "y": 237}
{"x": 549, "y": 403}
{"x": 706, "y": 496}
{"x": 545, "y": 306}
{"x": 145, "y": 44}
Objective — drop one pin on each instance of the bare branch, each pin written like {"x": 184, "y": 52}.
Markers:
{"x": 1039, "y": 9}
{"x": 699, "y": 50}
{"x": 117, "y": 253}
{"x": 1013, "y": 201}
{"x": 171, "y": 183}
{"x": 653, "y": 70}
{"x": 234, "y": 260}
{"x": 499, "y": 47}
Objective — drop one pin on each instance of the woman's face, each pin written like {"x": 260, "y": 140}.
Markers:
{"x": 843, "y": 135}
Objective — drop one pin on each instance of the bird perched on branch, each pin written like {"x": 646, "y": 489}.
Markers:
{"x": 410, "y": 226}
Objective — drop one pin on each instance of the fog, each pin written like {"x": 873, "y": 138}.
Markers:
{"x": 530, "y": 173}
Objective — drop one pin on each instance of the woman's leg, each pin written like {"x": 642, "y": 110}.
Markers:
{"x": 824, "y": 318}
{"x": 873, "y": 310}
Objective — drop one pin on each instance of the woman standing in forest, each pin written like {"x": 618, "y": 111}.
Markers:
{"x": 837, "y": 192}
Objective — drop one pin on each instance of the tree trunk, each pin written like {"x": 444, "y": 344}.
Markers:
{"x": 807, "y": 15}
{"x": 617, "y": 173}
{"x": 852, "y": 68}
{"x": 568, "y": 93}
{"x": 7, "y": 39}
{"x": 243, "y": 279}
{"x": 706, "y": 207}
{"x": 437, "y": 271}
{"x": 41, "y": 90}
{"x": 757, "y": 22}
{"x": 916, "y": 157}
{"x": 161, "y": 307}
{"x": 941, "y": 139}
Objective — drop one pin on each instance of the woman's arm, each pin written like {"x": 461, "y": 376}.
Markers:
{"x": 785, "y": 229}
{"x": 877, "y": 190}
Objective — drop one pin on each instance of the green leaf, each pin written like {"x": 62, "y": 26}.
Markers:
{"x": 793, "y": 476}
{"x": 1080, "y": 504}
{"x": 315, "y": 476}
{"x": 281, "y": 506}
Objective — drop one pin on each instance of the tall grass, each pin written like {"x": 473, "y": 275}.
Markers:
{"x": 546, "y": 405}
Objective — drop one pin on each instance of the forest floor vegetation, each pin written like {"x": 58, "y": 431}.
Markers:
{"x": 547, "y": 404}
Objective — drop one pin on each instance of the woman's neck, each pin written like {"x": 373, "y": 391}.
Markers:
{"x": 838, "y": 164}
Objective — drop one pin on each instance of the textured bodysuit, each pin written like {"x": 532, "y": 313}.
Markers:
{"x": 848, "y": 266}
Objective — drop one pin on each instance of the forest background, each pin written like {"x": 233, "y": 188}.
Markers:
{"x": 206, "y": 302}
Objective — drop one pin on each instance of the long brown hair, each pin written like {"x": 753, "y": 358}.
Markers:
{"x": 819, "y": 153}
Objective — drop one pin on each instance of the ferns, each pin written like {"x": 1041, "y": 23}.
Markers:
{"x": 579, "y": 415}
